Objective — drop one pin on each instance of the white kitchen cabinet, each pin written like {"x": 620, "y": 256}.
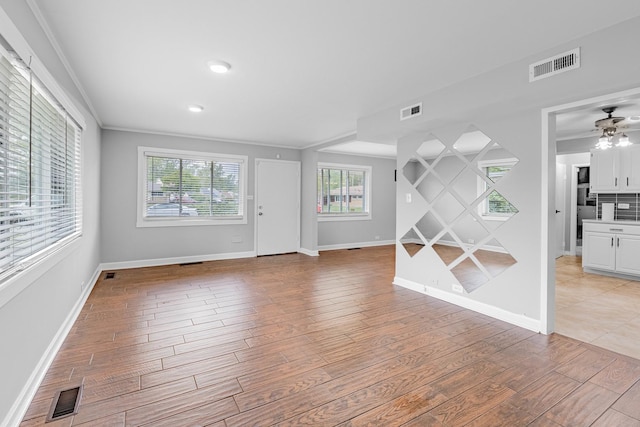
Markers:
{"x": 628, "y": 254}
{"x": 598, "y": 250}
{"x": 616, "y": 170}
{"x": 611, "y": 246}
{"x": 630, "y": 168}
{"x": 604, "y": 171}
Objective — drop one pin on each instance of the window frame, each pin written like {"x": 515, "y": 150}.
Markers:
{"x": 181, "y": 221}
{"x": 348, "y": 216}
{"x": 46, "y": 150}
{"x": 484, "y": 186}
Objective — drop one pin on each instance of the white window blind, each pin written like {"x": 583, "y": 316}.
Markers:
{"x": 39, "y": 169}
{"x": 192, "y": 186}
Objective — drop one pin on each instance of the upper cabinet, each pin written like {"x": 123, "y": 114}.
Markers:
{"x": 616, "y": 170}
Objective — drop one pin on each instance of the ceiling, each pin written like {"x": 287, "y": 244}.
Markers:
{"x": 580, "y": 123}
{"x": 302, "y": 72}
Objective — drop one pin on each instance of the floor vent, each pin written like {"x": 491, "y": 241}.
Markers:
{"x": 353, "y": 249}
{"x": 190, "y": 263}
{"x": 555, "y": 65}
{"x": 65, "y": 403}
{"x": 411, "y": 111}
{"x": 110, "y": 275}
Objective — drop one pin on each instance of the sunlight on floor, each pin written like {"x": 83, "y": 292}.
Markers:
{"x": 601, "y": 310}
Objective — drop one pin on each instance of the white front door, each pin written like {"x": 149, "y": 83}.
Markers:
{"x": 277, "y": 206}
{"x": 561, "y": 176}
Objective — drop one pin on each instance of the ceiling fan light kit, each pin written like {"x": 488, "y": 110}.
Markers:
{"x": 623, "y": 141}
{"x": 612, "y": 126}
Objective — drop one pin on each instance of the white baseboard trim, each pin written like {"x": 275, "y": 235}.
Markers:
{"x": 610, "y": 274}
{"x": 308, "y": 252}
{"x": 176, "y": 260}
{"x": 21, "y": 405}
{"x": 356, "y": 245}
{"x": 479, "y": 307}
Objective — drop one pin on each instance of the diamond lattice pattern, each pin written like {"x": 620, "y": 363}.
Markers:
{"x": 457, "y": 190}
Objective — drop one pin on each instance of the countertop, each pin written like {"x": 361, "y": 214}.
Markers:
{"x": 614, "y": 222}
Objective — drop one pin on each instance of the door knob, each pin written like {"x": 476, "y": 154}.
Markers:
{"x": 260, "y": 213}
{"x": 557, "y": 211}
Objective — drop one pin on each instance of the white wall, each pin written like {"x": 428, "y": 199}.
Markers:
{"x": 342, "y": 234}
{"x": 125, "y": 244}
{"x": 32, "y": 319}
{"x": 503, "y": 104}
{"x": 519, "y": 235}
{"x": 308, "y": 210}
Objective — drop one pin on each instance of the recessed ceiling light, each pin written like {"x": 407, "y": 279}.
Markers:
{"x": 634, "y": 118}
{"x": 196, "y": 108}
{"x": 219, "y": 67}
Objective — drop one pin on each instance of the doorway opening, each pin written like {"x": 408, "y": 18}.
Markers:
{"x": 567, "y": 302}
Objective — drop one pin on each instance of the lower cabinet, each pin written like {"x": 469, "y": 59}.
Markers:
{"x": 628, "y": 254}
{"x": 611, "y": 247}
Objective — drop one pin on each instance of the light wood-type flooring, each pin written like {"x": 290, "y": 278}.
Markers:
{"x": 601, "y": 310}
{"x": 294, "y": 340}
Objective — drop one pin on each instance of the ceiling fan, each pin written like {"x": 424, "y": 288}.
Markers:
{"x": 610, "y": 126}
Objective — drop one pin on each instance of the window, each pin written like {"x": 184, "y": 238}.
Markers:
{"x": 190, "y": 188}
{"x": 495, "y": 205}
{"x": 40, "y": 204}
{"x": 343, "y": 191}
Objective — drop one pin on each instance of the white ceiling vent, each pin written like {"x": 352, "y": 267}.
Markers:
{"x": 555, "y": 65}
{"x": 411, "y": 111}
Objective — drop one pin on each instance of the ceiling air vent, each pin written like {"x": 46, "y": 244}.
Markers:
{"x": 555, "y": 65}
{"x": 411, "y": 111}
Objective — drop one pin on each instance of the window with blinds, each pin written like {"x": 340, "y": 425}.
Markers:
{"x": 343, "y": 191}
{"x": 39, "y": 169}
{"x": 182, "y": 188}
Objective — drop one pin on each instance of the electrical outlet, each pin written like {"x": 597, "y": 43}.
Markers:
{"x": 408, "y": 197}
{"x": 471, "y": 241}
{"x": 377, "y": 237}
{"x": 457, "y": 288}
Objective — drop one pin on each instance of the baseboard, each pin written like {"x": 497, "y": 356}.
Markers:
{"x": 308, "y": 252}
{"x": 176, "y": 260}
{"x": 479, "y": 307}
{"x": 21, "y": 405}
{"x": 615, "y": 274}
{"x": 356, "y": 245}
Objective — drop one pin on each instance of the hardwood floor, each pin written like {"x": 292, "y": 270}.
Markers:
{"x": 325, "y": 341}
{"x": 601, "y": 310}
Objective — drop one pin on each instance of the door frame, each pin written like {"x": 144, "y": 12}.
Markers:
{"x": 547, "y": 199}
{"x": 563, "y": 211}
{"x": 573, "y": 232}
{"x": 256, "y": 198}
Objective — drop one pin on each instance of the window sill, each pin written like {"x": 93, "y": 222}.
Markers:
{"x": 343, "y": 217}
{"x": 188, "y": 222}
{"x": 36, "y": 267}
{"x": 496, "y": 218}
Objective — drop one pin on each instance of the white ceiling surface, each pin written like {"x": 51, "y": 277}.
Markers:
{"x": 580, "y": 123}
{"x": 302, "y": 72}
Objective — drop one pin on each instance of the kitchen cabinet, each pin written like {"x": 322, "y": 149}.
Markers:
{"x": 611, "y": 246}
{"x": 616, "y": 170}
